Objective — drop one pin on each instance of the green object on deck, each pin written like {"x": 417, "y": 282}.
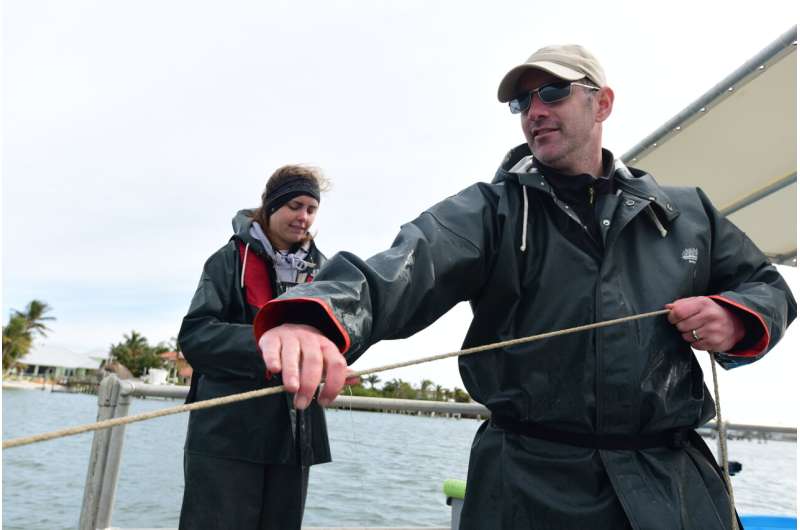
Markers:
{"x": 455, "y": 488}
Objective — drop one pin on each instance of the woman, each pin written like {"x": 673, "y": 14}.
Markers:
{"x": 246, "y": 464}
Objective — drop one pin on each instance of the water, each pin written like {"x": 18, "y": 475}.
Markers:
{"x": 388, "y": 469}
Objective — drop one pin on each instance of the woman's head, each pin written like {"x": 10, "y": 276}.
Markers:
{"x": 289, "y": 204}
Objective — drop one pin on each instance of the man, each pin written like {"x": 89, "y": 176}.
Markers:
{"x": 588, "y": 430}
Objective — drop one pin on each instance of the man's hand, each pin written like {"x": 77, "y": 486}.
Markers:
{"x": 303, "y": 356}
{"x": 706, "y": 324}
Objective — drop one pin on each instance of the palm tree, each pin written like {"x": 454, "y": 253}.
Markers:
{"x": 390, "y": 388}
{"x": 19, "y": 333}
{"x": 424, "y": 386}
{"x": 373, "y": 380}
{"x": 16, "y": 341}
{"x": 460, "y": 396}
{"x": 136, "y": 354}
{"x": 35, "y": 318}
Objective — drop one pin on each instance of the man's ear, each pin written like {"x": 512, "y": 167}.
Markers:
{"x": 605, "y": 102}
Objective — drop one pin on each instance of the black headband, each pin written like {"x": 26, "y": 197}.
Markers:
{"x": 289, "y": 190}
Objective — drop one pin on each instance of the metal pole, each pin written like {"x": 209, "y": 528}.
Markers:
{"x": 107, "y": 395}
{"x": 105, "y": 507}
{"x": 784, "y": 44}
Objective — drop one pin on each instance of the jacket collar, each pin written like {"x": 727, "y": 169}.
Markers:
{"x": 643, "y": 185}
{"x": 628, "y": 180}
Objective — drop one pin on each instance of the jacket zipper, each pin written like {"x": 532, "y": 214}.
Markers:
{"x": 598, "y": 356}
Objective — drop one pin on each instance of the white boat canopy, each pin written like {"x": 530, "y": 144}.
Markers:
{"x": 738, "y": 142}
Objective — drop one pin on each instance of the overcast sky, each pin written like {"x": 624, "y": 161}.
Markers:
{"x": 133, "y": 131}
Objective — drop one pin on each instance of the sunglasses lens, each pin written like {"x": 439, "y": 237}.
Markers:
{"x": 554, "y": 92}
{"x": 520, "y": 103}
{"x": 547, "y": 93}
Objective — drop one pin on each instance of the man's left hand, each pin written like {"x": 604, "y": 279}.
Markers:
{"x": 706, "y": 324}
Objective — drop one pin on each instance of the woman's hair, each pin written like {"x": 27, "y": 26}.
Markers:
{"x": 312, "y": 176}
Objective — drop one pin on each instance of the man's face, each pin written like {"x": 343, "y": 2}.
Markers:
{"x": 564, "y": 134}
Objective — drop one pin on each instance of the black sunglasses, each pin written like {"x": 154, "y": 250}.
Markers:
{"x": 549, "y": 94}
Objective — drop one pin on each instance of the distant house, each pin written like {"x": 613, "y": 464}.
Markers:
{"x": 52, "y": 361}
{"x": 179, "y": 370}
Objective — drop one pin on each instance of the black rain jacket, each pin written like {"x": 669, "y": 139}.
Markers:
{"x": 498, "y": 246}
{"x": 216, "y": 337}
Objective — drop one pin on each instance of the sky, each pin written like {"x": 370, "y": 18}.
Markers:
{"x": 133, "y": 131}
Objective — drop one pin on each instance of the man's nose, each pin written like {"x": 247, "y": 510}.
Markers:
{"x": 537, "y": 109}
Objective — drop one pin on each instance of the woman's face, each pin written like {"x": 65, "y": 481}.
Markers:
{"x": 290, "y": 223}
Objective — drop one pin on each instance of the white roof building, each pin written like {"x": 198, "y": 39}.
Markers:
{"x": 58, "y": 356}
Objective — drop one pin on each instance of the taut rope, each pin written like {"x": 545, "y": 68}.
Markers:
{"x": 722, "y": 437}
{"x": 216, "y": 402}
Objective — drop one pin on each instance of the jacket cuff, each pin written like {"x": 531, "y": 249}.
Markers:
{"x": 756, "y": 337}
{"x": 310, "y": 311}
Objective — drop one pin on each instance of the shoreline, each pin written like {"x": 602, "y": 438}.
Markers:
{"x": 30, "y": 385}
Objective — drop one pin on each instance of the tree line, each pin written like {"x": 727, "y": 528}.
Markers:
{"x": 134, "y": 352}
{"x": 399, "y": 389}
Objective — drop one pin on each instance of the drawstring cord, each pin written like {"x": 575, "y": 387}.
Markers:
{"x": 623, "y": 169}
{"x": 654, "y": 218}
{"x": 524, "y": 217}
{"x": 244, "y": 264}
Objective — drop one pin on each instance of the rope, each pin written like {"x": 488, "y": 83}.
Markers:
{"x": 512, "y": 342}
{"x": 216, "y": 402}
{"x": 115, "y": 422}
{"x": 722, "y": 436}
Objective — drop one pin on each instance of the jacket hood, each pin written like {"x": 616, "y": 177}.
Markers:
{"x": 242, "y": 222}
{"x": 629, "y": 179}
{"x": 504, "y": 173}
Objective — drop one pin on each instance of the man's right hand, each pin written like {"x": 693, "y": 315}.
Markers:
{"x": 303, "y": 356}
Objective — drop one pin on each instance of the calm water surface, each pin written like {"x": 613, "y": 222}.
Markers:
{"x": 388, "y": 469}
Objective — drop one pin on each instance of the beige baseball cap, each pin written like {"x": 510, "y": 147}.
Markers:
{"x": 567, "y": 61}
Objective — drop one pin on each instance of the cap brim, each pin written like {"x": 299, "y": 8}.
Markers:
{"x": 508, "y": 86}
